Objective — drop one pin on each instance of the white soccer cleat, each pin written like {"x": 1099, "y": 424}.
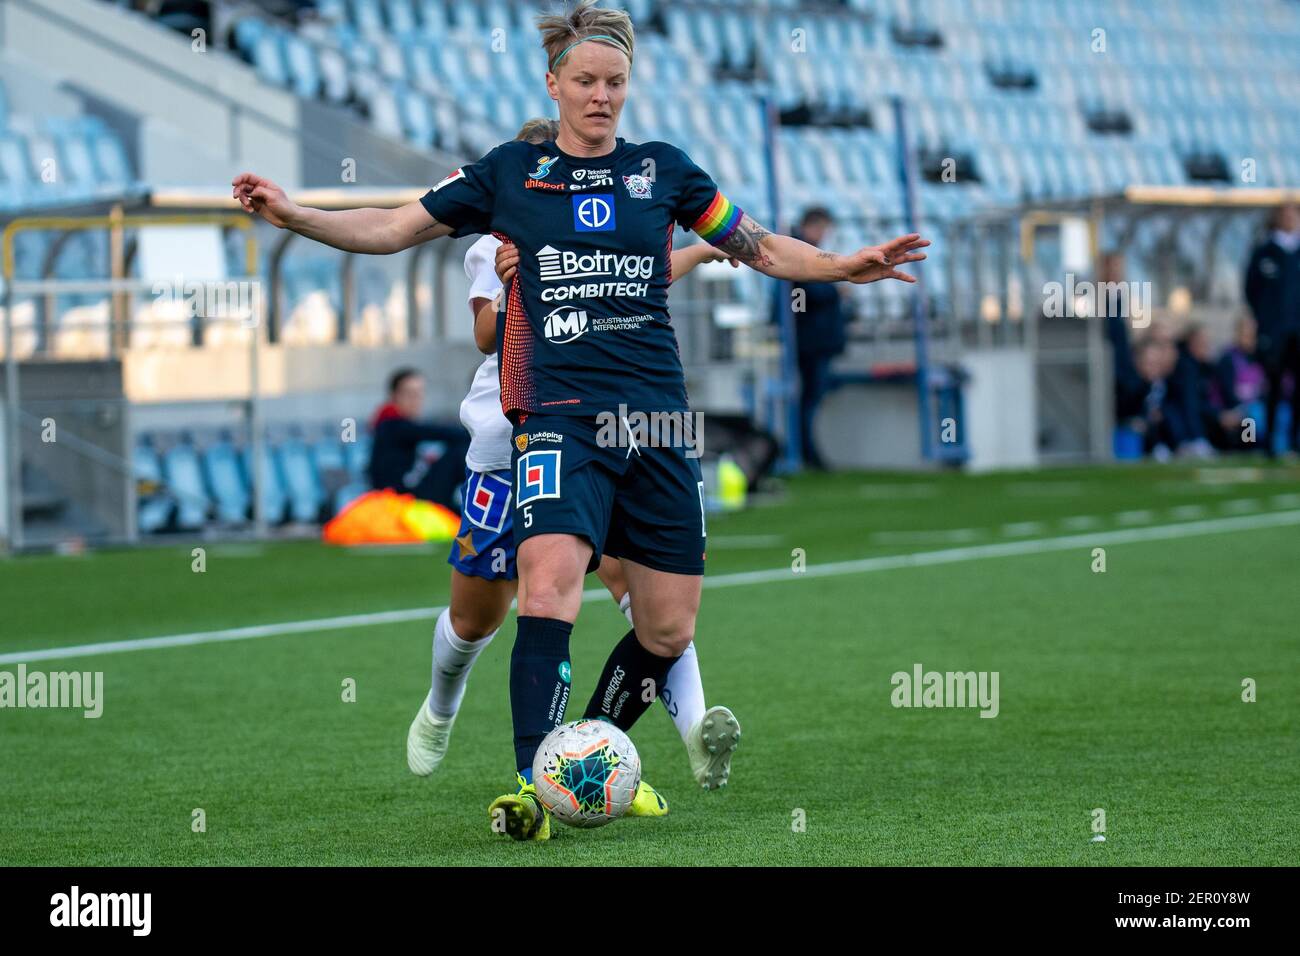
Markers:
{"x": 426, "y": 741}
{"x": 710, "y": 745}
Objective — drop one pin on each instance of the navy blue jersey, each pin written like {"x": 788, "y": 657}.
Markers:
{"x": 586, "y": 325}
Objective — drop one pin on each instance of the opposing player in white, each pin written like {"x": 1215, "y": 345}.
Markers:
{"x": 483, "y": 581}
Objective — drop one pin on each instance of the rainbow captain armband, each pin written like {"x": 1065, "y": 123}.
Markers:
{"x": 719, "y": 221}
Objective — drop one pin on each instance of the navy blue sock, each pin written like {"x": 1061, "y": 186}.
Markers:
{"x": 539, "y": 683}
{"x": 622, "y": 694}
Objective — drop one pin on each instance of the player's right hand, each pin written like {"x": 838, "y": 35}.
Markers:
{"x": 263, "y": 197}
{"x": 507, "y": 261}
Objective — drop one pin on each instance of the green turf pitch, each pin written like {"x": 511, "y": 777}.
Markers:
{"x": 1118, "y": 690}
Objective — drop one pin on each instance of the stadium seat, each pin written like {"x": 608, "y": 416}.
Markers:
{"x": 302, "y": 484}
{"x": 225, "y": 476}
{"x": 273, "y": 497}
{"x": 184, "y": 477}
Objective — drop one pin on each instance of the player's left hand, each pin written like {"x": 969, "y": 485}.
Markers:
{"x": 714, "y": 254}
{"x": 507, "y": 261}
{"x": 873, "y": 263}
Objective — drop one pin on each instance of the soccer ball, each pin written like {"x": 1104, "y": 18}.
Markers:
{"x": 586, "y": 773}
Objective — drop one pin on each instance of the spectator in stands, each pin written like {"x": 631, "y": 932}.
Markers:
{"x": 1193, "y": 388}
{"x": 1273, "y": 291}
{"x": 1126, "y": 374}
{"x": 1145, "y": 408}
{"x": 395, "y": 461}
{"x": 819, "y": 326}
{"x": 1242, "y": 384}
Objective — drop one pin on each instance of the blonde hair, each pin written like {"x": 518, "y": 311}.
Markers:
{"x": 539, "y": 130}
{"x": 560, "y": 31}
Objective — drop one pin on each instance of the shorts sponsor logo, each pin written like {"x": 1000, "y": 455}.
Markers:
{"x": 565, "y": 324}
{"x": 638, "y": 187}
{"x": 537, "y": 476}
{"x": 553, "y": 437}
{"x": 543, "y": 167}
{"x": 565, "y": 671}
{"x": 594, "y": 212}
{"x": 487, "y": 501}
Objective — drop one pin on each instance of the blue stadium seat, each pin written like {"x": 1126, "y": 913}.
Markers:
{"x": 302, "y": 484}
{"x": 185, "y": 481}
{"x": 274, "y": 500}
{"x": 154, "y": 506}
{"x": 225, "y": 476}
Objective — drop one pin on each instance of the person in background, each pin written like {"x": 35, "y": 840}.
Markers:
{"x": 1193, "y": 388}
{"x": 1146, "y": 409}
{"x": 1126, "y": 374}
{"x": 1242, "y": 383}
{"x": 819, "y": 330}
{"x": 1273, "y": 292}
{"x": 395, "y": 462}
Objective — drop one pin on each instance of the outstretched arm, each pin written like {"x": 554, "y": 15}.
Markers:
{"x": 687, "y": 258}
{"x": 373, "y": 231}
{"x": 785, "y": 257}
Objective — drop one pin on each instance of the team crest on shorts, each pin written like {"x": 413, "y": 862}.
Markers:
{"x": 638, "y": 186}
{"x": 537, "y": 475}
{"x": 487, "y": 501}
{"x": 521, "y": 442}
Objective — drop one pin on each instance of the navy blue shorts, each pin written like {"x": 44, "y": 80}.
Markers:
{"x": 485, "y": 546}
{"x": 636, "y": 500}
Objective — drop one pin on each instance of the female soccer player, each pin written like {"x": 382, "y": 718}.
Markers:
{"x": 483, "y": 576}
{"x": 586, "y": 344}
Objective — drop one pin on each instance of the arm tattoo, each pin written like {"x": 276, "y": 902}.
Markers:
{"x": 826, "y": 255}
{"x": 744, "y": 243}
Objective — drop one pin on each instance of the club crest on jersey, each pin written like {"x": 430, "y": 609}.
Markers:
{"x": 543, "y": 167}
{"x": 593, "y": 212}
{"x": 537, "y": 475}
{"x": 487, "y": 501}
{"x": 451, "y": 178}
{"x": 521, "y": 442}
{"x": 638, "y": 186}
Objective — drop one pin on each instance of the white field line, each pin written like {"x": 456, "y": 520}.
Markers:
{"x": 978, "y": 552}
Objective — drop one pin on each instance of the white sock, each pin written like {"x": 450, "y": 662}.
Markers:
{"x": 683, "y": 693}
{"x": 625, "y": 605}
{"x": 452, "y": 659}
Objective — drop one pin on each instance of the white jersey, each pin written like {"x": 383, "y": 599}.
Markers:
{"x": 480, "y": 412}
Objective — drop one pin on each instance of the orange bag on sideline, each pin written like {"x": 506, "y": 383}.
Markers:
{"x": 386, "y": 517}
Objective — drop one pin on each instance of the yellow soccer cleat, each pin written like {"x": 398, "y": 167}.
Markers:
{"x": 647, "y": 802}
{"x": 520, "y": 815}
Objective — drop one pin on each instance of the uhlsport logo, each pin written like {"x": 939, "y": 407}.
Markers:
{"x": 638, "y": 186}
{"x": 593, "y": 212}
{"x": 565, "y": 324}
{"x": 543, "y": 167}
